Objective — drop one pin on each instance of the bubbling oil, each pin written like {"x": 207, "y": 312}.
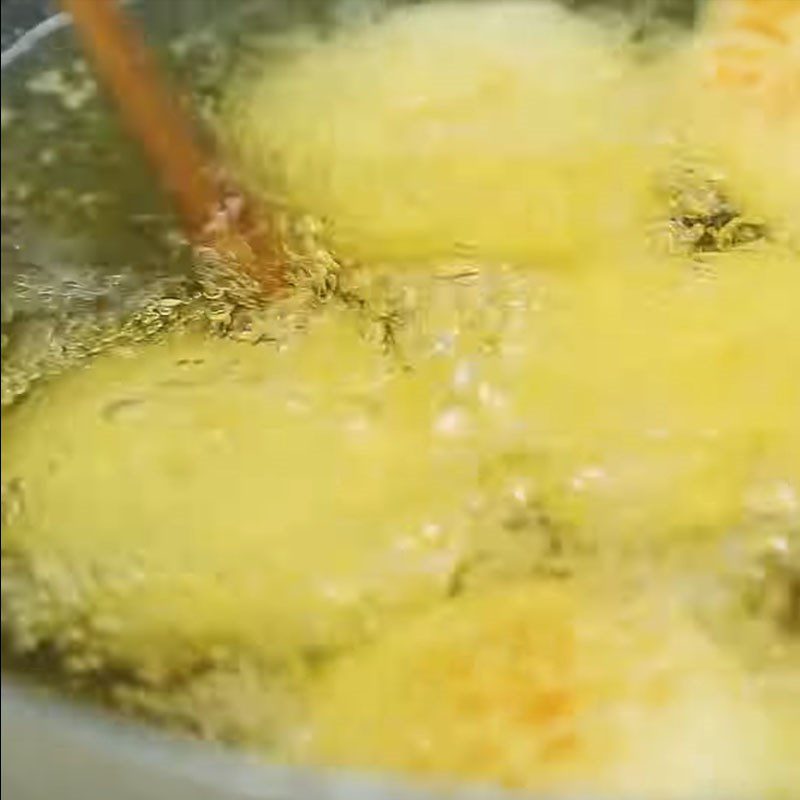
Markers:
{"x": 525, "y": 512}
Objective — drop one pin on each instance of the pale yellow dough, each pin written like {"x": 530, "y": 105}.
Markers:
{"x": 503, "y": 131}
{"x": 199, "y": 496}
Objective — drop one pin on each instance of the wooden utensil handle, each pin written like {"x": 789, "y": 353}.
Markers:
{"x": 150, "y": 111}
{"x": 249, "y": 239}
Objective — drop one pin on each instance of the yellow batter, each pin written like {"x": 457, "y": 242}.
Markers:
{"x": 496, "y": 131}
{"x": 204, "y": 494}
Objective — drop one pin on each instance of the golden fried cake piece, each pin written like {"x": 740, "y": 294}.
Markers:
{"x": 744, "y": 105}
{"x": 546, "y": 686}
{"x": 755, "y": 49}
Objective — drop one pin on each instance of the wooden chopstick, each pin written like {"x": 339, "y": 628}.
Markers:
{"x": 154, "y": 116}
